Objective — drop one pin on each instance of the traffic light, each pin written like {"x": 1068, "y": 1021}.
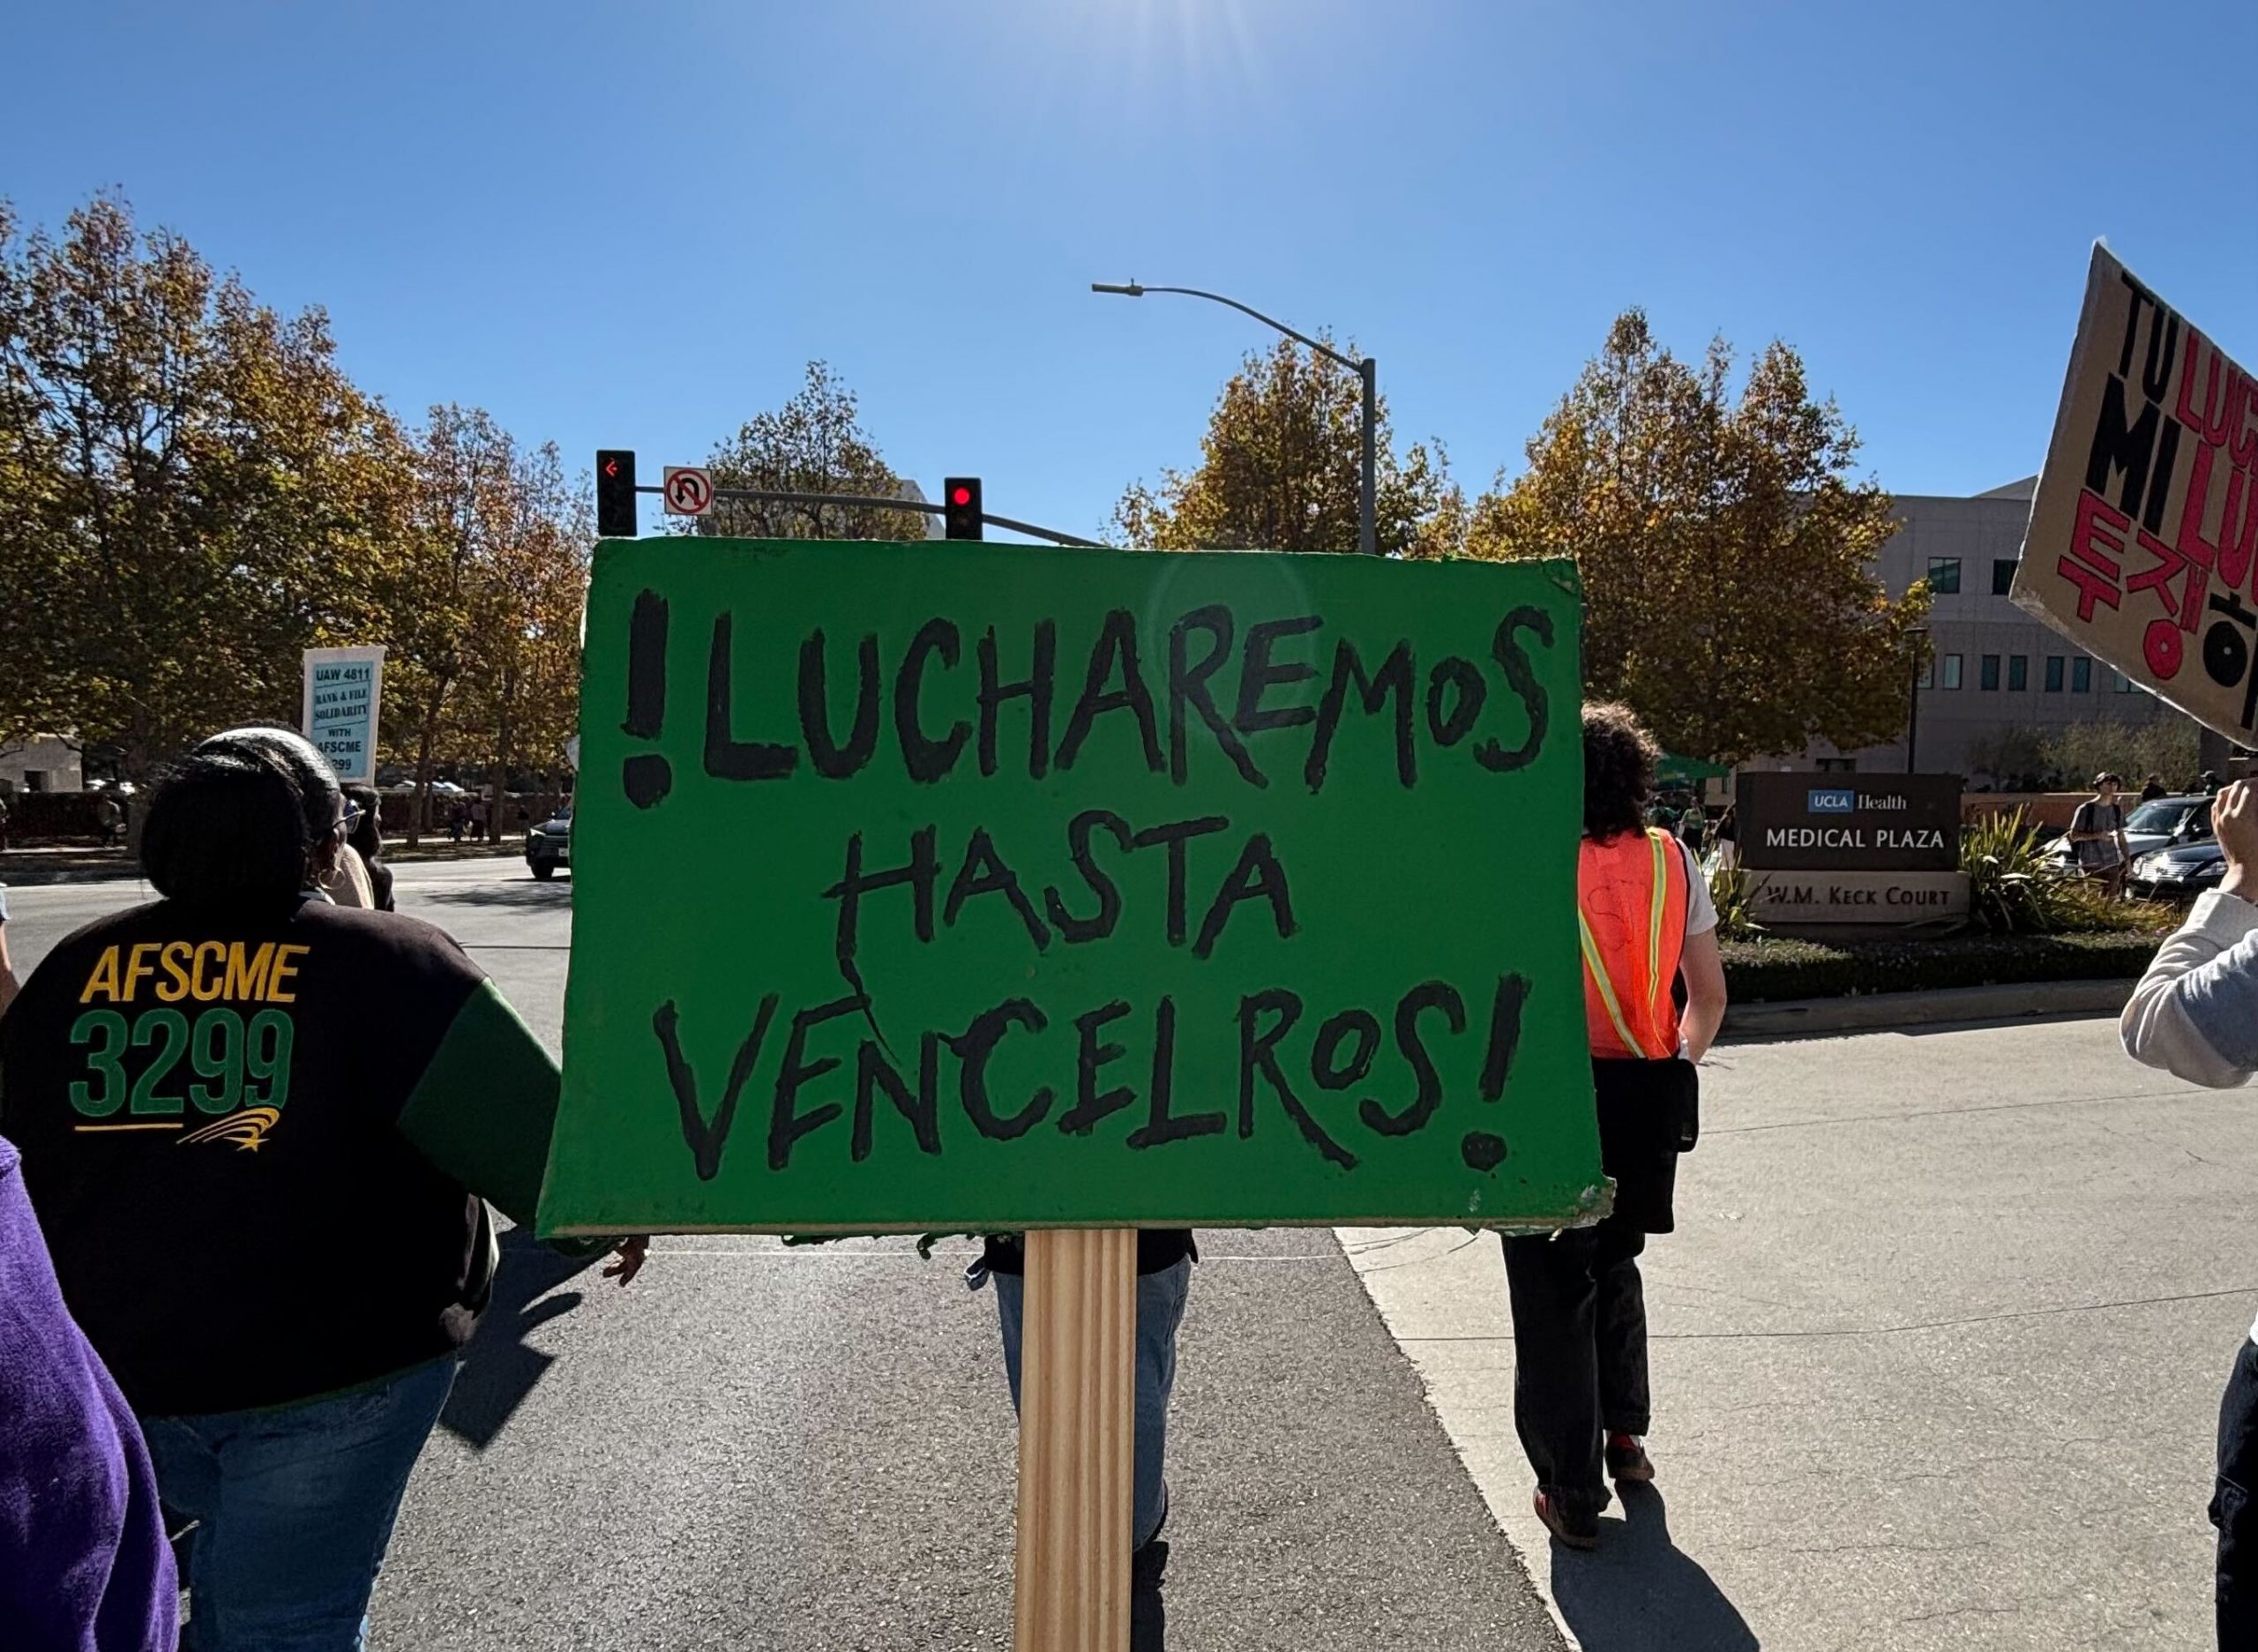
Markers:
{"x": 960, "y": 508}
{"x": 615, "y": 492}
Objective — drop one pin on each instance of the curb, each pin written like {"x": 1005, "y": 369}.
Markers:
{"x": 1883, "y": 1012}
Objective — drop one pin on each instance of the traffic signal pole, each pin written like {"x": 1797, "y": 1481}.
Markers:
{"x": 872, "y": 502}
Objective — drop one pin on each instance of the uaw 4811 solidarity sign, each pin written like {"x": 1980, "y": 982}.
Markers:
{"x": 993, "y": 886}
{"x": 2145, "y": 528}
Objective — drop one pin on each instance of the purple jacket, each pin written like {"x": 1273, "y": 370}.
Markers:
{"x": 84, "y": 1563}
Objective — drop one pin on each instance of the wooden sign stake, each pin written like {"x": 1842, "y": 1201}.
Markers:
{"x": 1077, "y": 1396}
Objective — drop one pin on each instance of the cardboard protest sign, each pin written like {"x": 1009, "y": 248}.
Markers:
{"x": 342, "y": 689}
{"x": 2145, "y": 525}
{"x": 999, "y": 886}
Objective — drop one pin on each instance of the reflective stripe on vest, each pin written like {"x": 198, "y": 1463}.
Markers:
{"x": 1632, "y": 897}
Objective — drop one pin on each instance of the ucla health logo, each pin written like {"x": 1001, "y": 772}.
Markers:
{"x": 1833, "y": 800}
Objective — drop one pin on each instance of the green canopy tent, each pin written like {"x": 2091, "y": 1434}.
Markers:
{"x": 1688, "y": 771}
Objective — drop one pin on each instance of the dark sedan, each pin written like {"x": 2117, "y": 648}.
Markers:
{"x": 2179, "y": 874}
{"x": 549, "y": 845}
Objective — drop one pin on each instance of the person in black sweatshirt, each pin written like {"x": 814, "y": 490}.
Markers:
{"x": 257, "y": 1128}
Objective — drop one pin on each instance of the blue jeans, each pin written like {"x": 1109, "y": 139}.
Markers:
{"x": 296, "y": 1504}
{"x": 1160, "y": 1311}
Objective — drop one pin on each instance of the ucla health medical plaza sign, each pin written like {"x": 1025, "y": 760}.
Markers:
{"x": 996, "y": 887}
{"x": 1839, "y": 848}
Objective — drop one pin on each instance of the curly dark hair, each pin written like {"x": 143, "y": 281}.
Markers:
{"x": 1619, "y": 757}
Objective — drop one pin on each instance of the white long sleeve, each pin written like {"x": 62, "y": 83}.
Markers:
{"x": 2195, "y": 1013}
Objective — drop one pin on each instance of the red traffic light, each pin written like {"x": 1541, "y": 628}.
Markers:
{"x": 960, "y": 507}
{"x": 961, "y": 496}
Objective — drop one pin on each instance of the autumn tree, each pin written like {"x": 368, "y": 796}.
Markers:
{"x": 815, "y": 443}
{"x": 192, "y": 491}
{"x": 1281, "y": 468}
{"x": 1726, "y": 553}
{"x": 482, "y": 605}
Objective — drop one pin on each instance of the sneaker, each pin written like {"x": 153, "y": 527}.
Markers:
{"x": 1577, "y": 1531}
{"x": 1627, "y": 1462}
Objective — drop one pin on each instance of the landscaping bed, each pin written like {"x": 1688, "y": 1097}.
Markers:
{"x": 1772, "y": 968}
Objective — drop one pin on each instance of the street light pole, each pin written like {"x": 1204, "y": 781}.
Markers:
{"x": 1366, "y": 370}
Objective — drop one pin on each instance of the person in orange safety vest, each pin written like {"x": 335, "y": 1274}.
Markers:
{"x": 1579, "y": 1318}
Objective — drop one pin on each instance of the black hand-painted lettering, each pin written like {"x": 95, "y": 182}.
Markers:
{"x": 1037, "y": 688}
{"x": 1505, "y": 1035}
{"x": 1259, "y": 674}
{"x": 2141, "y": 296}
{"x": 985, "y": 872}
{"x": 1433, "y": 995}
{"x": 1464, "y": 680}
{"x": 728, "y": 757}
{"x": 1175, "y": 837}
{"x": 1258, "y": 1053}
{"x": 873, "y": 1073}
{"x": 1161, "y": 1125}
{"x": 2164, "y": 354}
{"x": 1116, "y": 652}
{"x": 1398, "y": 675}
{"x": 1108, "y": 892}
{"x": 1187, "y": 685}
{"x": 786, "y": 1122}
{"x": 1093, "y": 1054}
{"x": 921, "y": 874}
{"x": 1326, "y": 1064}
{"x": 927, "y": 759}
{"x": 974, "y": 1048}
{"x": 1521, "y": 677}
{"x": 646, "y": 775}
{"x": 705, "y": 1140}
{"x": 833, "y": 760}
{"x": 1259, "y": 872}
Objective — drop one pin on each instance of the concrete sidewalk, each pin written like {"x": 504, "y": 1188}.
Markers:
{"x": 1936, "y": 1353}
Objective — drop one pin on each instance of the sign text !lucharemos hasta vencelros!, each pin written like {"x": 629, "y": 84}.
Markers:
{"x": 994, "y": 886}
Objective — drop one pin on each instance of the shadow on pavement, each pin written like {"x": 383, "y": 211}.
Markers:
{"x": 1638, "y": 1591}
{"x": 518, "y": 892}
{"x": 498, "y": 1369}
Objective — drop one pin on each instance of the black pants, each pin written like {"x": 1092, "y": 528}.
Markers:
{"x": 2232, "y": 1510}
{"x": 1580, "y": 1352}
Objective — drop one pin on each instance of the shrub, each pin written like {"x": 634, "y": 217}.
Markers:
{"x": 1771, "y": 970}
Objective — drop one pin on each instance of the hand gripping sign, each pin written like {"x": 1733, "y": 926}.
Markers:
{"x": 2145, "y": 528}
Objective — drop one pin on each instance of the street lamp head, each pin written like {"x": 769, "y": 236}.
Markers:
{"x": 1125, "y": 289}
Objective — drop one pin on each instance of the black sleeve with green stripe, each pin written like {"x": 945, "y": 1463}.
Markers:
{"x": 486, "y": 1103}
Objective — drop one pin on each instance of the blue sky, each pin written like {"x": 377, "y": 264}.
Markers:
{"x": 632, "y": 224}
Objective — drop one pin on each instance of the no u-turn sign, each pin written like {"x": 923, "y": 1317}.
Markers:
{"x": 686, "y": 491}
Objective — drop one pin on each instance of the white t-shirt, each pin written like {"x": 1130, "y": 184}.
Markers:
{"x": 1701, "y": 905}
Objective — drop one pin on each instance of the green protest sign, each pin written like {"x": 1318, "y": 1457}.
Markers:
{"x": 987, "y": 887}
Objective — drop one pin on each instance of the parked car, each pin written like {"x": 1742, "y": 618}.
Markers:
{"x": 2162, "y": 823}
{"x": 2179, "y": 874}
{"x": 549, "y": 845}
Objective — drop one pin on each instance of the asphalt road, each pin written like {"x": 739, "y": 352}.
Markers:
{"x": 756, "y": 1448}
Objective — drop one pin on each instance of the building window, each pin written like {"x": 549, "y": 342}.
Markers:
{"x": 2054, "y": 674}
{"x": 2119, "y": 684}
{"x": 2018, "y": 672}
{"x": 1944, "y": 574}
{"x": 1952, "y": 670}
{"x": 1989, "y": 679}
{"x": 2002, "y": 575}
{"x": 2081, "y": 676}
{"x": 1838, "y": 765}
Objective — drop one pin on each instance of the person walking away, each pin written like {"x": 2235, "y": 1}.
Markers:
{"x": 8, "y": 984}
{"x": 85, "y": 1565}
{"x": 1692, "y": 831}
{"x": 1581, "y": 1394}
{"x": 2194, "y": 1014}
{"x": 367, "y": 840}
{"x": 2152, "y": 788}
{"x": 2097, "y": 836}
{"x": 1164, "y": 1258}
{"x": 278, "y": 1243}
{"x": 454, "y": 822}
{"x": 1729, "y": 838}
{"x": 107, "y": 819}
